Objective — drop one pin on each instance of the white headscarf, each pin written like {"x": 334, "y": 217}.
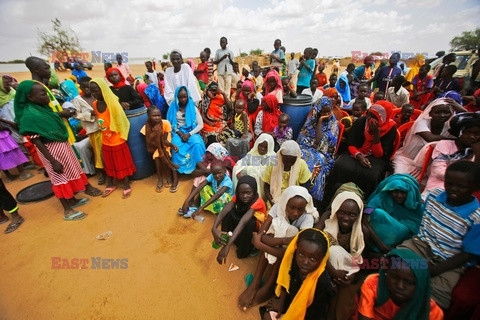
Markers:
{"x": 357, "y": 243}
{"x": 410, "y": 148}
{"x": 252, "y": 164}
{"x": 288, "y": 148}
{"x": 281, "y": 226}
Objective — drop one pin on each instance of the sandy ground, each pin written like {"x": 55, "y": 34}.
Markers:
{"x": 172, "y": 271}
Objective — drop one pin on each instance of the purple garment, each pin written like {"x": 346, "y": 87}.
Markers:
{"x": 10, "y": 154}
{"x": 385, "y": 76}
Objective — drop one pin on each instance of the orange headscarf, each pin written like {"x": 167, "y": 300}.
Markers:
{"x": 337, "y": 112}
{"x": 122, "y": 81}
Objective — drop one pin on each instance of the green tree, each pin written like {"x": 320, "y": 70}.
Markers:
{"x": 59, "y": 44}
{"x": 165, "y": 56}
{"x": 256, "y": 52}
{"x": 243, "y": 54}
{"x": 468, "y": 40}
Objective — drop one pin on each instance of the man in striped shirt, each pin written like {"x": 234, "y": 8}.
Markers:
{"x": 449, "y": 235}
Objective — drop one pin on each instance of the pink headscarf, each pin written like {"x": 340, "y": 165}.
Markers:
{"x": 246, "y": 84}
{"x": 272, "y": 73}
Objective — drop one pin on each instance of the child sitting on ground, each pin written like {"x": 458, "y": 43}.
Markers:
{"x": 304, "y": 289}
{"x": 449, "y": 232}
{"x": 282, "y": 132}
{"x": 243, "y": 215}
{"x": 400, "y": 291}
{"x": 158, "y": 135}
{"x": 239, "y": 125}
{"x": 294, "y": 212}
{"x": 397, "y": 94}
{"x": 215, "y": 192}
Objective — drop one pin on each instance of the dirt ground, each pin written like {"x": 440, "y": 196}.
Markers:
{"x": 172, "y": 271}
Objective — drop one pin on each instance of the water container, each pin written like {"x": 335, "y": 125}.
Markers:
{"x": 136, "y": 142}
{"x": 298, "y": 109}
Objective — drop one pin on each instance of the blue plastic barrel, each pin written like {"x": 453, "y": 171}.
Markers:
{"x": 136, "y": 142}
{"x": 298, "y": 109}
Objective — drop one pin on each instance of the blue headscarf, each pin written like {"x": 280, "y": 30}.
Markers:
{"x": 69, "y": 88}
{"x": 345, "y": 92}
{"x": 453, "y": 95}
{"x": 190, "y": 112}
{"x": 411, "y": 211}
{"x": 156, "y": 98}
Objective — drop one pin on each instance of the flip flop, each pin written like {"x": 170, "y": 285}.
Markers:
{"x": 81, "y": 202}
{"x": 25, "y": 176}
{"x": 108, "y": 191}
{"x": 179, "y": 212}
{"x": 126, "y": 193}
{"x": 14, "y": 226}
{"x": 173, "y": 189}
{"x": 190, "y": 212}
{"x": 79, "y": 215}
{"x": 159, "y": 189}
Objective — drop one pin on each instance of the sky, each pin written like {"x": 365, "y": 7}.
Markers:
{"x": 151, "y": 28}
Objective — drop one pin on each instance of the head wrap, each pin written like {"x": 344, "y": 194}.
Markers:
{"x": 239, "y": 208}
{"x": 270, "y": 118}
{"x": 345, "y": 92}
{"x": 5, "y": 96}
{"x": 121, "y": 83}
{"x": 155, "y": 98}
{"x": 37, "y": 119}
{"x": 463, "y": 120}
{"x": 452, "y": 95}
{"x": 418, "y": 308}
{"x": 190, "y": 113}
{"x": 141, "y": 90}
{"x": 357, "y": 243}
{"x": 288, "y": 148}
{"x": 218, "y": 151}
{"x": 304, "y": 297}
{"x": 278, "y": 83}
{"x": 70, "y": 90}
{"x": 118, "y": 120}
{"x": 409, "y": 213}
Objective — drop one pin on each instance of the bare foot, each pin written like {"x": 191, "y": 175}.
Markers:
{"x": 262, "y": 295}
{"x": 246, "y": 298}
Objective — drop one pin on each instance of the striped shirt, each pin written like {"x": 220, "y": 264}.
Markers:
{"x": 450, "y": 230}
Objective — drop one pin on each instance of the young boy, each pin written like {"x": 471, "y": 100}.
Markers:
{"x": 404, "y": 115}
{"x": 397, "y": 94}
{"x": 362, "y": 91}
{"x": 257, "y": 77}
{"x": 151, "y": 75}
{"x": 282, "y": 132}
{"x": 449, "y": 234}
{"x": 277, "y": 57}
{"x": 85, "y": 87}
{"x": 313, "y": 91}
{"x": 331, "y": 82}
{"x": 210, "y": 63}
{"x": 224, "y": 62}
{"x": 321, "y": 76}
{"x": 288, "y": 89}
{"x": 422, "y": 85}
{"x": 202, "y": 70}
{"x": 307, "y": 64}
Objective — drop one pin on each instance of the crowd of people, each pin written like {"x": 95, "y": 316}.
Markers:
{"x": 371, "y": 212}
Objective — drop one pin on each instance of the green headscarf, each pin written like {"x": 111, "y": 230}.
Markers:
{"x": 4, "y": 95}
{"x": 418, "y": 308}
{"x": 410, "y": 213}
{"x": 35, "y": 119}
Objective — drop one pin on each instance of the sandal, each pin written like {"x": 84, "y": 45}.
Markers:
{"x": 80, "y": 202}
{"x": 179, "y": 212}
{"x": 25, "y": 176}
{"x": 79, "y": 215}
{"x": 126, "y": 193}
{"x": 173, "y": 189}
{"x": 14, "y": 226}
{"x": 108, "y": 191}
{"x": 159, "y": 189}
{"x": 93, "y": 192}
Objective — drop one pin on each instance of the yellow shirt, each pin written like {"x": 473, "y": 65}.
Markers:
{"x": 304, "y": 175}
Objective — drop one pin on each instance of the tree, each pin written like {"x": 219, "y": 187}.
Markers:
{"x": 243, "y": 54}
{"x": 165, "y": 56}
{"x": 256, "y": 52}
{"x": 468, "y": 40}
{"x": 59, "y": 44}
